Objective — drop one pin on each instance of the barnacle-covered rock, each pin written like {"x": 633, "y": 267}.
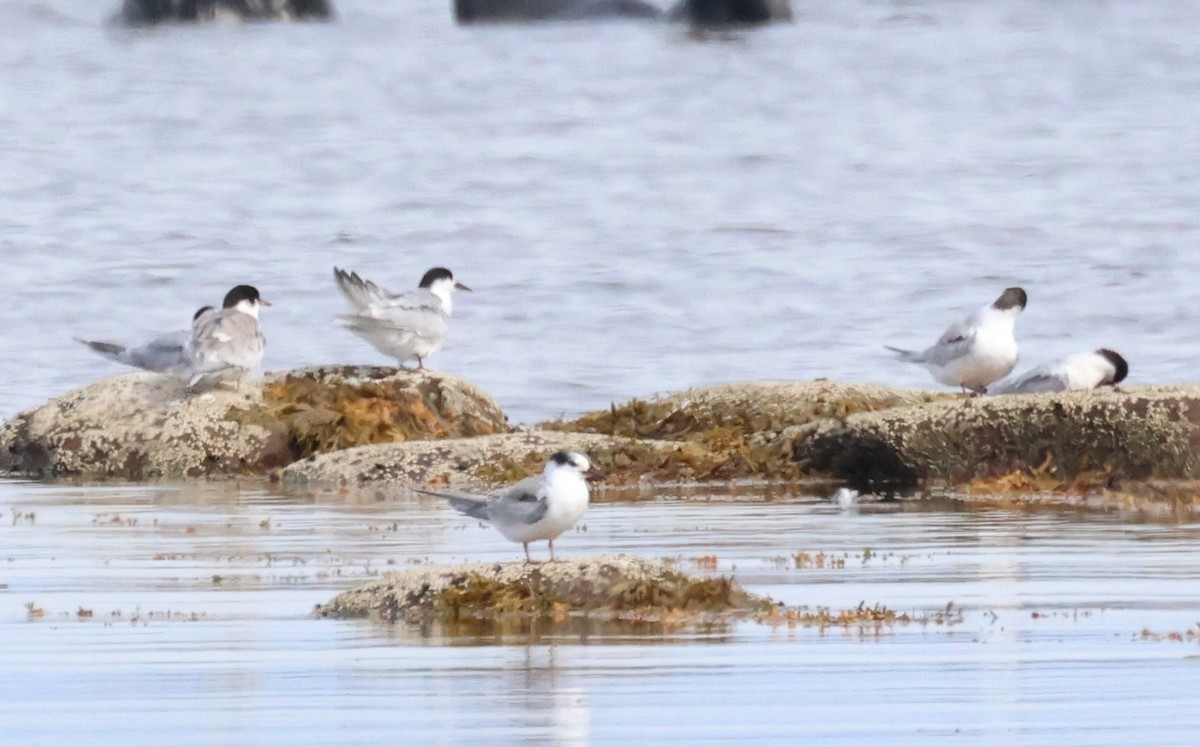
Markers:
{"x": 142, "y": 426}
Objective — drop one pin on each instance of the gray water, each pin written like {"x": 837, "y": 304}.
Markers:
{"x": 639, "y": 209}
{"x": 199, "y": 627}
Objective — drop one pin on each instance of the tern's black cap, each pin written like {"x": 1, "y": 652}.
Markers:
{"x": 437, "y": 273}
{"x": 1011, "y": 298}
{"x": 1118, "y": 362}
{"x": 240, "y": 293}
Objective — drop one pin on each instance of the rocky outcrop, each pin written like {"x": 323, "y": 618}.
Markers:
{"x": 731, "y": 12}
{"x": 147, "y": 12}
{"x": 738, "y": 431}
{"x": 472, "y": 463}
{"x": 716, "y": 433}
{"x": 141, "y": 426}
{"x": 1106, "y": 435}
{"x": 606, "y": 586}
{"x": 498, "y": 11}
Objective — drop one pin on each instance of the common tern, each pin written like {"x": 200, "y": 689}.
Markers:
{"x": 978, "y": 350}
{"x": 228, "y": 343}
{"x": 164, "y": 354}
{"x": 405, "y": 326}
{"x": 1089, "y": 370}
{"x": 537, "y": 508}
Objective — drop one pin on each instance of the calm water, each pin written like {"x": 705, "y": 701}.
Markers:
{"x": 199, "y": 627}
{"x": 639, "y": 210}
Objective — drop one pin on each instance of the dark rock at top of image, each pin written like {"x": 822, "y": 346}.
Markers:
{"x": 148, "y": 12}
{"x": 731, "y": 12}
{"x": 497, "y": 11}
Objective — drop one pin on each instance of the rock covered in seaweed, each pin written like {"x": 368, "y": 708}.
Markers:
{"x": 611, "y": 586}
{"x": 140, "y": 426}
{"x": 1134, "y": 434}
{"x": 745, "y": 430}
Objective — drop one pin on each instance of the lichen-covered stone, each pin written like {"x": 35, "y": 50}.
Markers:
{"x": 603, "y": 586}
{"x": 476, "y": 463}
{"x": 141, "y": 426}
{"x": 1135, "y": 434}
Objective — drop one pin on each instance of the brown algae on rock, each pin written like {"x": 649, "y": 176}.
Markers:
{"x": 324, "y": 409}
{"x": 734, "y": 430}
{"x": 606, "y": 587}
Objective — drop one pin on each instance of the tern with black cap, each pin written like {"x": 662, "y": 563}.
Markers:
{"x": 978, "y": 350}
{"x": 1088, "y": 370}
{"x": 226, "y": 344}
{"x": 406, "y": 326}
{"x": 537, "y": 508}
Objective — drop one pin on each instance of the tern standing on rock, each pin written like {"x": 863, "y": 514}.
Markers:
{"x": 1089, "y": 370}
{"x": 405, "y": 326}
{"x": 978, "y": 350}
{"x": 226, "y": 344}
{"x": 537, "y": 508}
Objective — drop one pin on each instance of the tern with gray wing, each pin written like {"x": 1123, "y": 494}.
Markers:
{"x": 226, "y": 344}
{"x": 164, "y": 354}
{"x": 1089, "y": 370}
{"x": 537, "y": 508}
{"x": 976, "y": 351}
{"x": 405, "y": 326}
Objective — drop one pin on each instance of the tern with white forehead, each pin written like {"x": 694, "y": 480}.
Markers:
{"x": 405, "y": 326}
{"x": 537, "y": 508}
{"x": 1089, "y": 370}
{"x": 226, "y": 344}
{"x": 978, "y": 350}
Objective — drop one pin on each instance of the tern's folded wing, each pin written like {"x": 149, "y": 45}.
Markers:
{"x": 226, "y": 339}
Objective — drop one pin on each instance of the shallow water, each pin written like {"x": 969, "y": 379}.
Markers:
{"x": 200, "y": 626}
{"x": 639, "y": 209}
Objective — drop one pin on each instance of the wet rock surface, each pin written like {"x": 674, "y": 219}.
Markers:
{"x": 510, "y": 11}
{"x": 607, "y": 586}
{"x": 730, "y": 12}
{"x": 149, "y": 12}
{"x": 1135, "y": 434}
{"x": 140, "y": 426}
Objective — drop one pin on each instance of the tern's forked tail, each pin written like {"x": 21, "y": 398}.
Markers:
{"x": 908, "y": 356}
{"x": 476, "y": 508}
{"x": 109, "y": 350}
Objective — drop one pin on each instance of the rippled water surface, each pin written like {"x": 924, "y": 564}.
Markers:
{"x": 200, "y": 627}
{"x": 639, "y": 209}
